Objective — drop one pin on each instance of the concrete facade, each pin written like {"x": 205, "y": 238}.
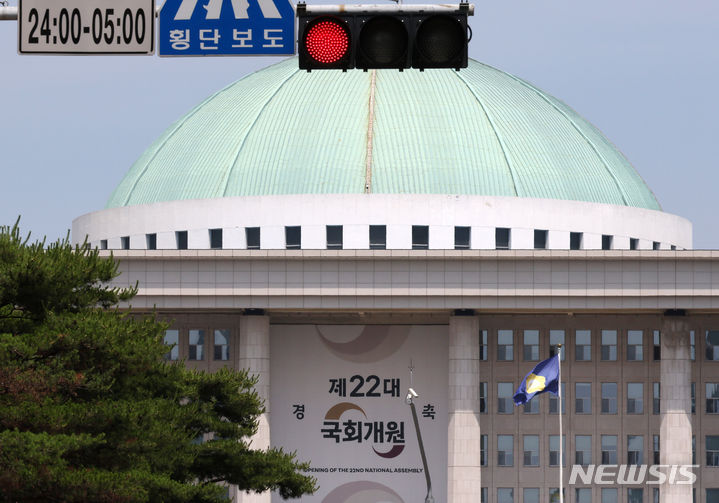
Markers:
{"x": 464, "y": 480}
{"x": 665, "y": 300}
{"x": 356, "y": 212}
{"x": 255, "y": 357}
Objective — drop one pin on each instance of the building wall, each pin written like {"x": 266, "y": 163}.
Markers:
{"x": 518, "y": 423}
{"x": 356, "y": 212}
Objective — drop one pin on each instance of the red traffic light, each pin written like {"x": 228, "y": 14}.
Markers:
{"x": 326, "y": 41}
{"x": 382, "y": 36}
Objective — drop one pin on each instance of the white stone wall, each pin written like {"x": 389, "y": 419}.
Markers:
{"x": 398, "y": 212}
{"x": 255, "y": 357}
{"x": 464, "y": 481}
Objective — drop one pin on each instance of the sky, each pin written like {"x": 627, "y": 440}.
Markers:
{"x": 645, "y": 72}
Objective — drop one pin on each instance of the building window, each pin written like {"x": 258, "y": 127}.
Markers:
{"x": 673, "y": 247}
{"x": 635, "y": 495}
{"x": 530, "y": 495}
{"x": 483, "y": 450}
{"x": 556, "y": 337}
{"x": 609, "y": 398}
{"x": 334, "y": 237}
{"x": 505, "y": 345}
{"x": 483, "y": 397}
{"x": 252, "y": 236}
{"x": 655, "y": 494}
{"x": 583, "y": 449}
{"x": 505, "y": 495}
{"x": 483, "y": 345}
{"x": 609, "y": 345}
{"x": 554, "y": 402}
{"x": 540, "y": 239}
{"x": 712, "y": 398}
{"x": 222, "y": 345}
{"x": 575, "y": 240}
{"x": 125, "y": 242}
{"x": 196, "y": 345}
{"x": 656, "y": 398}
{"x": 655, "y": 245}
{"x": 293, "y": 237}
{"x": 606, "y": 242}
{"x": 712, "y": 495}
{"x": 505, "y": 404}
{"x": 151, "y": 241}
{"x": 712, "y": 447}
{"x": 554, "y": 495}
{"x": 610, "y": 495}
{"x": 103, "y": 244}
{"x": 531, "y": 345}
{"x": 633, "y": 244}
{"x": 505, "y": 450}
{"x": 172, "y": 338}
{"x": 554, "y": 450}
{"x": 531, "y": 407}
{"x": 693, "y": 397}
{"x": 181, "y": 240}
{"x": 531, "y": 450}
{"x": 583, "y": 397}
{"x": 635, "y": 398}
{"x": 694, "y": 449}
{"x": 657, "y": 350}
{"x": 216, "y": 239}
{"x": 377, "y": 237}
{"x": 609, "y": 449}
{"x": 692, "y": 346}
{"x": 420, "y": 237}
{"x": 583, "y": 345}
{"x": 502, "y": 238}
{"x": 655, "y": 449}
{"x": 484, "y": 497}
{"x": 462, "y": 238}
{"x": 583, "y": 495}
{"x": 635, "y": 449}
{"x": 635, "y": 343}
{"x": 712, "y": 349}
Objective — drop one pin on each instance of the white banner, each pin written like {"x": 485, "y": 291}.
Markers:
{"x": 338, "y": 399}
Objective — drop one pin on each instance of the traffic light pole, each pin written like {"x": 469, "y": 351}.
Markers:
{"x": 382, "y": 8}
{"x": 7, "y": 13}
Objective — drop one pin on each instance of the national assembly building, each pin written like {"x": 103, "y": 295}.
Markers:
{"x": 347, "y": 236}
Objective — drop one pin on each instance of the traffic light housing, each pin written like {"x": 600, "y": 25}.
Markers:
{"x": 382, "y": 36}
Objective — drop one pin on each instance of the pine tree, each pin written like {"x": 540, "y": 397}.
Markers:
{"x": 89, "y": 409}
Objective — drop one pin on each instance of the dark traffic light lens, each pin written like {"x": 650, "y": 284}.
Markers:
{"x": 383, "y": 42}
{"x": 327, "y": 40}
{"x": 440, "y": 39}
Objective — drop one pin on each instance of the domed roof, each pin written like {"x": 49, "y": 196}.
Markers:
{"x": 478, "y": 131}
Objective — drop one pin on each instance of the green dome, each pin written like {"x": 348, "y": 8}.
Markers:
{"x": 479, "y": 131}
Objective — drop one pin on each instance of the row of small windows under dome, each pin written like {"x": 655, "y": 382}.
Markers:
{"x": 379, "y": 237}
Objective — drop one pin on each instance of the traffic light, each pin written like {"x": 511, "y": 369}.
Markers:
{"x": 382, "y": 36}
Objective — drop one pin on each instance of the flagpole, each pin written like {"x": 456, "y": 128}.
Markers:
{"x": 561, "y": 446}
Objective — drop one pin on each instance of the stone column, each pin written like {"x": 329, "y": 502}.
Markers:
{"x": 254, "y": 355}
{"x": 464, "y": 440}
{"x": 676, "y": 427}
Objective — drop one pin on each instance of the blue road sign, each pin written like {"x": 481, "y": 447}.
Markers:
{"x": 222, "y": 27}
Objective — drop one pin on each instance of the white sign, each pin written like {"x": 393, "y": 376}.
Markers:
{"x": 338, "y": 399}
{"x": 86, "y": 27}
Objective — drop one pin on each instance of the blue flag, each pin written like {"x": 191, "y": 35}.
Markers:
{"x": 544, "y": 377}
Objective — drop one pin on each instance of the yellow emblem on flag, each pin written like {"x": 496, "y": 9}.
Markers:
{"x": 535, "y": 383}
